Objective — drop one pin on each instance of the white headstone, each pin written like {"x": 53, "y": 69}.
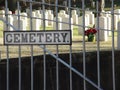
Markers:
{"x": 17, "y": 11}
{"x": 35, "y": 21}
{"x": 74, "y": 17}
{"x": 50, "y": 11}
{"x": 36, "y": 24}
{"x": 88, "y": 12}
{"x": 115, "y": 21}
{"x": 57, "y": 25}
{"x": 19, "y": 24}
{"x": 62, "y": 14}
{"x": 103, "y": 28}
{"x": 2, "y": 14}
{"x": 28, "y": 11}
{"x": 62, "y": 11}
{"x": 24, "y": 17}
{"x": 80, "y": 22}
{"x": 63, "y": 23}
{"x": 92, "y": 18}
{"x": 109, "y": 25}
{"x": 10, "y": 22}
{"x": 66, "y": 25}
{"x": 74, "y": 12}
{"x": 9, "y": 12}
{"x": 50, "y": 18}
{"x": 117, "y": 12}
{"x": 44, "y": 19}
{"x": 107, "y": 14}
{"x": 37, "y": 12}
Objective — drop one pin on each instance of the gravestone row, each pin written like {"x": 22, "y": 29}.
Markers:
{"x": 39, "y": 18}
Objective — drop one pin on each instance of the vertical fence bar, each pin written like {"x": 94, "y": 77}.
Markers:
{"x": 32, "y": 72}
{"x": 70, "y": 47}
{"x": 98, "y": 44}
{"x": 84, "y": 48}
{"x": 19, "y": 51}
{"x": 44, "y": 56}
{"x": 7, "y": 47}
{"x": 7, "y": 68}
{"x": 113, "y": 46}
{"x": 20, "y": 68}
{"x": 31, "y": 27}
{"x": 57, "y": 51}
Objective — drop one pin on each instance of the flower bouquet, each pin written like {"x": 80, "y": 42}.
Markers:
{"x": 90, "y": 33}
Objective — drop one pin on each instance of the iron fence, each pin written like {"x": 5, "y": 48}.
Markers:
{"x": 50, "y": 70}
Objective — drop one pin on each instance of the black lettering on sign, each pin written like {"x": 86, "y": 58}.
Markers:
{"x": 50, "y": 37}
{"x": 9, "y": 38}
{"x": 16, "y": 38}
{"x": 56, "y": 37}
{"x": 32, "y": 37}
{"x": 24, "y": 38}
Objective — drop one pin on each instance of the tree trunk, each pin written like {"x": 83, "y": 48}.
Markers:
{"x": 101, "y": 6}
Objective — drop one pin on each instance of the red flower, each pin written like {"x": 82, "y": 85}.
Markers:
{"x": 90, "y": 31}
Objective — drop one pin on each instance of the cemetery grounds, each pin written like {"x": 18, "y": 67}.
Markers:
{"x": 77, "y": 46}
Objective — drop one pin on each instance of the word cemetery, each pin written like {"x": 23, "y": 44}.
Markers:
{"x": 37, "y": 37}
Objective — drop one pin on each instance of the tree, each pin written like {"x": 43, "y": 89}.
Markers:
{"x": 101, "y": 5}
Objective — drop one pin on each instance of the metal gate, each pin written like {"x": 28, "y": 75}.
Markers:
{"x": 69, "y": 66}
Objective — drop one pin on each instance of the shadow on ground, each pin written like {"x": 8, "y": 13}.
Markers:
{"x": 64, "y": 72}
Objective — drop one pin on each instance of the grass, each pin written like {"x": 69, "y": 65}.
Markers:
{"x": 77, "y": 45}
{"x": 46, "y": 28}
{"x": 13, "y": 50}
{"x": 1, "y": 29}
{"x": 1, "y": 33}
{"x": 75, "y": 30}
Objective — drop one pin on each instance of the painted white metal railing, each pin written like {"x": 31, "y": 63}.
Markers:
{"x": 45, "y": 50}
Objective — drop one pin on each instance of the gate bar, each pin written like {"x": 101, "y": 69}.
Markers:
{"x": 98, "y": 44}
{"x": 7, "y": 47}
{"x": 84, "y": 48}
{"x": 19, "y": 48}
{"x": 31, "y": 27}
{"x": 113, "y": 45}
{"x": 44, "y": 56}
{"x": 57, "y": 51}
{"x": 73, "y": 69}
{"x": 70, "y": 46}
